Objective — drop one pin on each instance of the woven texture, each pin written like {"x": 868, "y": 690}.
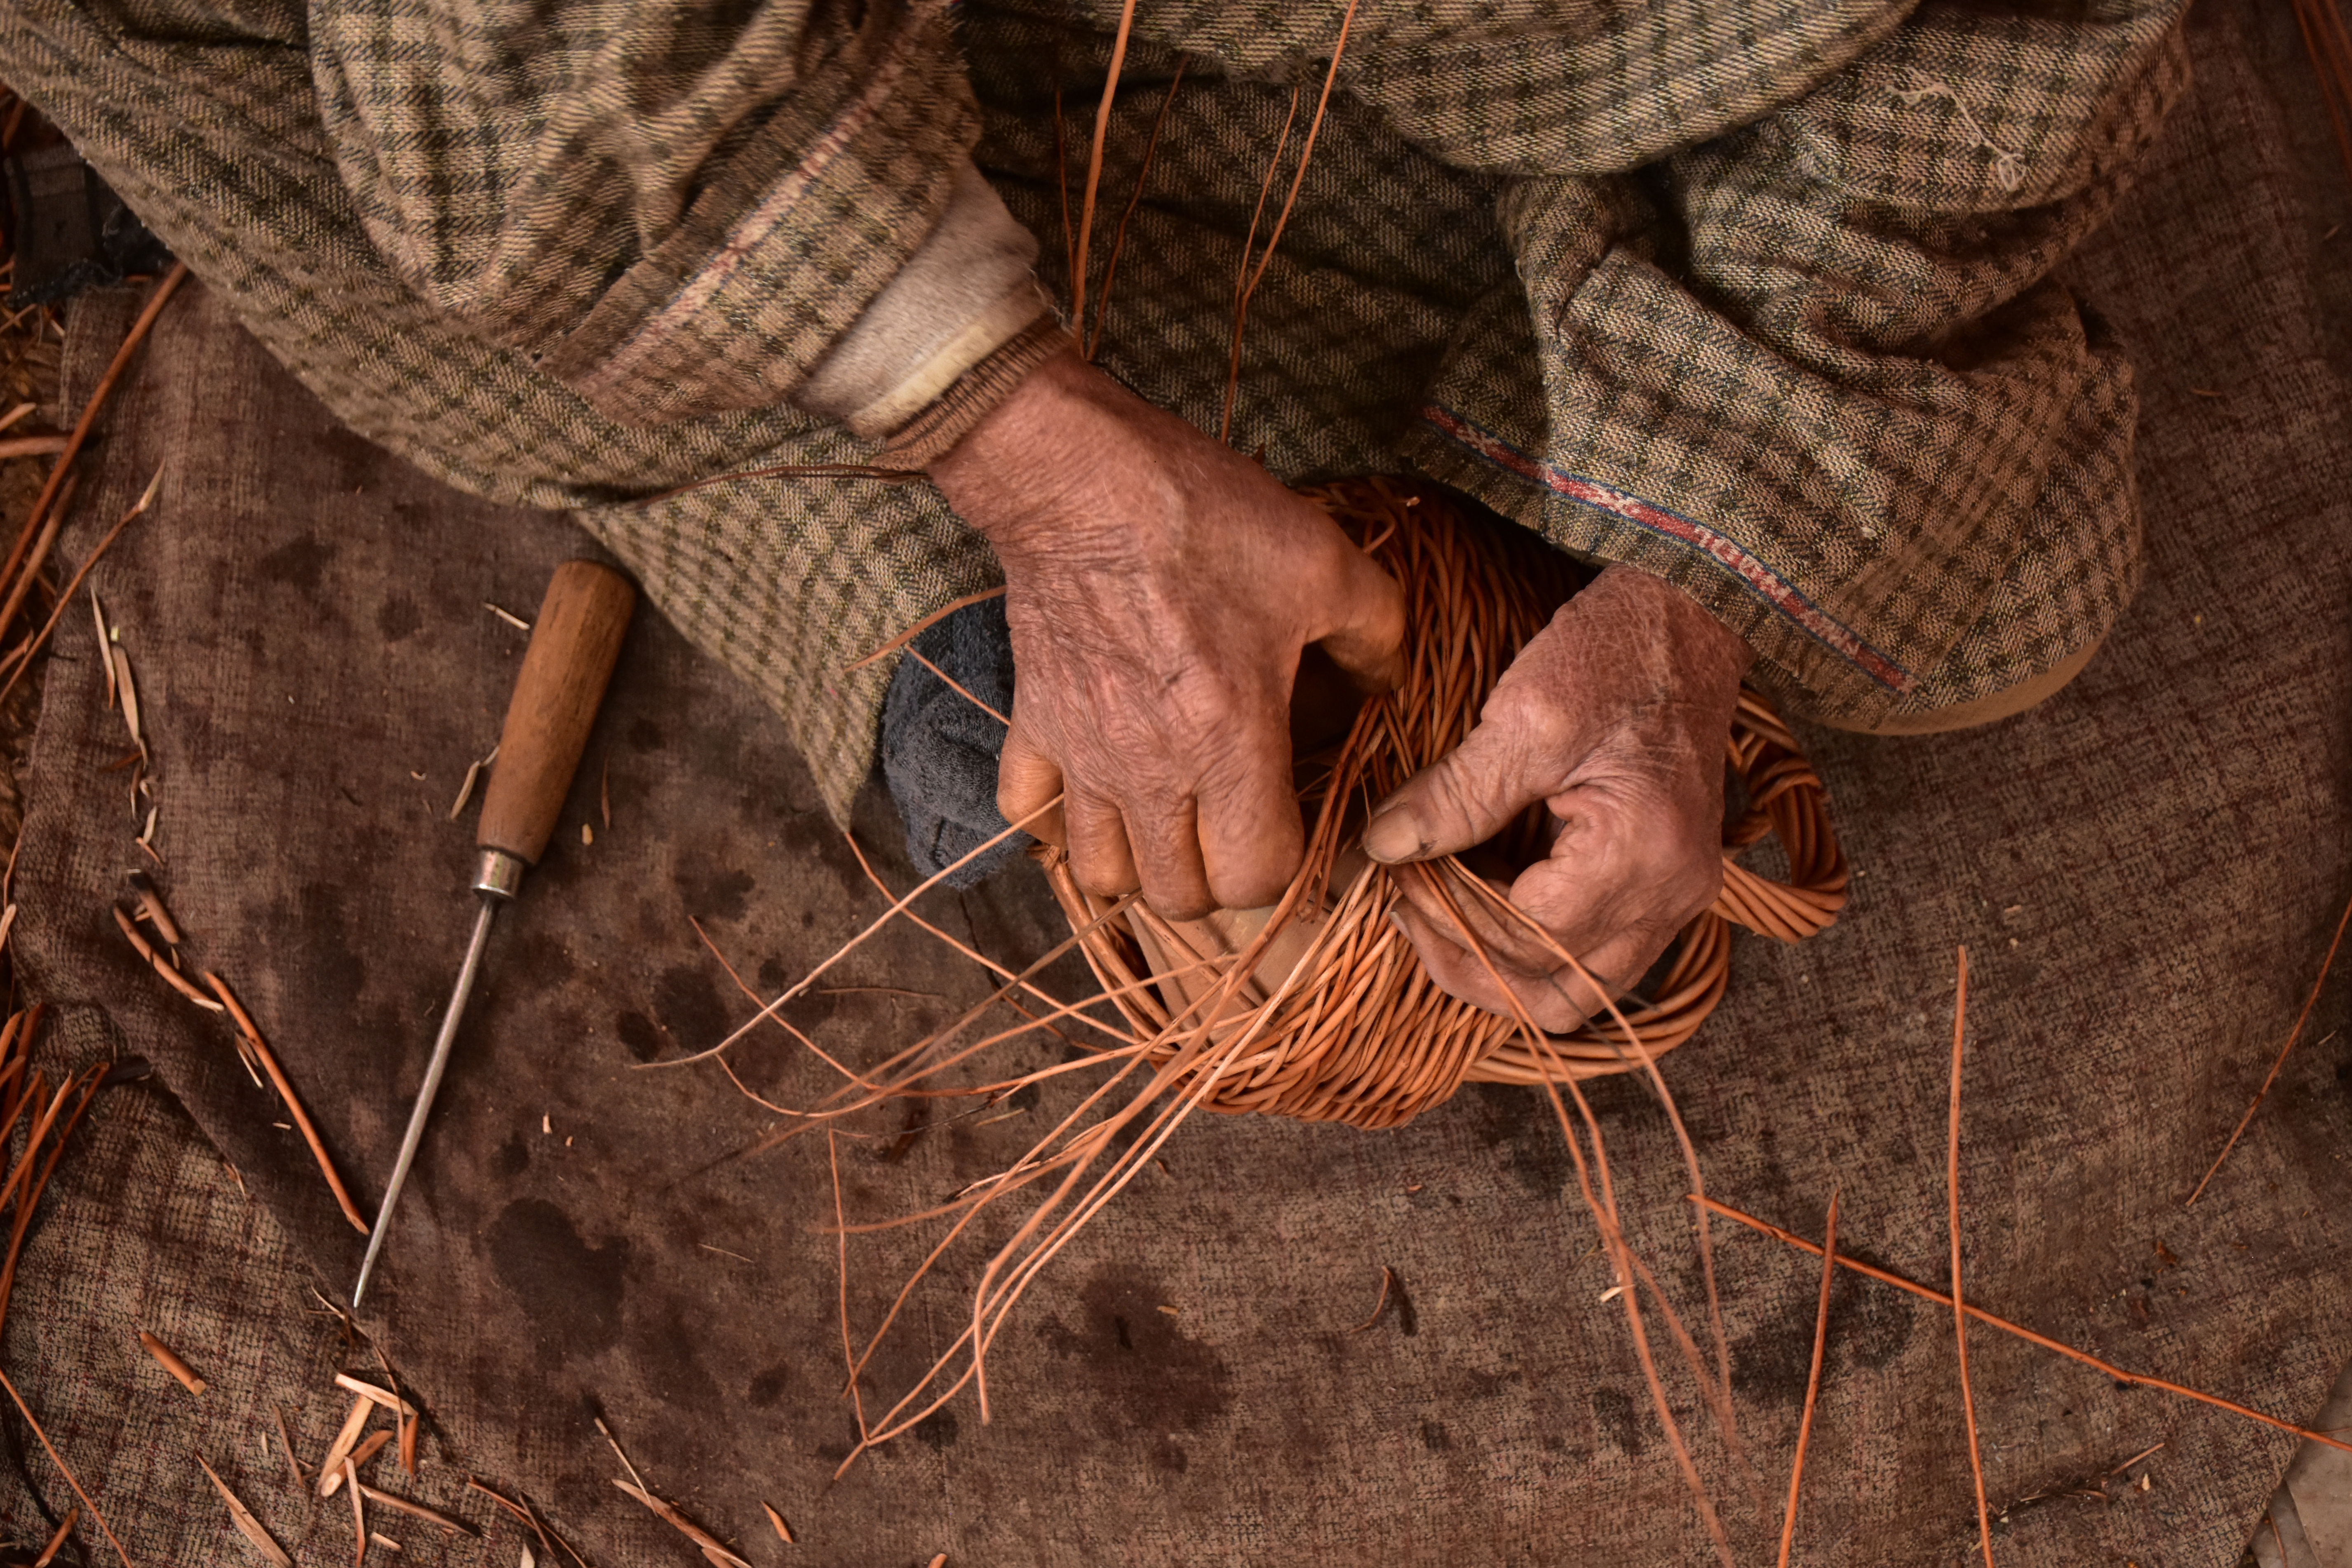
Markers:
{"x": 1755, "y": 294}
{"x": 2144, "y": 870}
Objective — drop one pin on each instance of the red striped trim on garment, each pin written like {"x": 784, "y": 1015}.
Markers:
{"x": 1760, "y": 580}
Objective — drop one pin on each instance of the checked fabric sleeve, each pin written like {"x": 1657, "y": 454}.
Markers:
{"x": 1819, "y": 373}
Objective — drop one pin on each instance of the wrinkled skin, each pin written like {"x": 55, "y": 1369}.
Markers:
{"x": 1161, "y": 588}
{"x": 1615, "y": 716}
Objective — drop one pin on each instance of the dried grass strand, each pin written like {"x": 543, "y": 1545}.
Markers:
{"x": 90, "y": 410}
{"x": 926, "y": 624}
{"x": 22, "y": 653}
{"x": 1960, "y": 1311}
{"x": 1298, "y": 178}
{"x": 64, "y": 1469}
{"x": 246, "y": 1524}
{"x": 1134, "y": 199}
{"x": 293, "y": 1101}
{"x": 860, "y": 940}
{"x": 2058, "y": 1347}
{"x": 1094, "y": 167}
{"x": 2292, "y": 1035}
{"x": 1812, "y": 1381}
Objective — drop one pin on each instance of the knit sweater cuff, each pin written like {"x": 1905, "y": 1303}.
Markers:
{"x": 975, "y": 394}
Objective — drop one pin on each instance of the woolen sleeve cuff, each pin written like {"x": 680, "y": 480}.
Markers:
{"x": 934, "y": 432}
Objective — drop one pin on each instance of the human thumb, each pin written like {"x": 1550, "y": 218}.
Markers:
{"x": 1363, "y": 630}
{"x": 1463, "y": 799}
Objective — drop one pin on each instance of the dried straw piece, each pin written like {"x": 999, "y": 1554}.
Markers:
{"x": 25, "y": 1410}
{"x": 31, "y": 446}
{"x": 34, "y": 562}
{"x": 22, "y": 654}
{"x": 121, "y": 361}
{"x": 777, "y": 1520}
{"x": 104, "y": 642}
{"x": 152, "y": 909}
{"x": 711, "y": 1546}
{"x": 418, "y": 1510}
{"x": 57, "y": 1542}
{"x": 466, "y": 790}
{"x": 293, "y": 1102}
{"x": 1927, "y": 1293}
{"x": 168, "y": 1360}
{"x": 330, "y": 1467}
{"x": 919, "y": 628}
{"x": 246, "y": 1525}
{"x": 119, "y": 657}
{"x": 1960, "y": 1311}
{"x": 350, "y": 1472}
{"x": 2292, "y": 1035}
{"x": 1388, "y": 1282}
{"x": 286, "y": 1443}
{"x": 1812, "y": 1380}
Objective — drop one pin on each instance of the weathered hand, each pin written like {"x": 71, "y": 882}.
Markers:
{"x": 1616, "y": 716}
{"x": 1160, "y": 588}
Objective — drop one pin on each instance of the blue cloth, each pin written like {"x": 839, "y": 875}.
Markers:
{"x": 940, "y": 750}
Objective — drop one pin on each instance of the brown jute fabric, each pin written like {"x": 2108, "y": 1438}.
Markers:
{"x": 2164, "y": 843}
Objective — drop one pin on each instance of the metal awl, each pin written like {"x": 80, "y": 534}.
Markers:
{"x": 573, "y": 646}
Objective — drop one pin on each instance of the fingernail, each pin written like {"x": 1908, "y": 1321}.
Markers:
{"x": 1393, "y": 836}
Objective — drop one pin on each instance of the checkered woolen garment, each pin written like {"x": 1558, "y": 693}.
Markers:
{"x": 1759, "y": 295}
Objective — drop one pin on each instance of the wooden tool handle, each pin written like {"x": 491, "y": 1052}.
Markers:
{"x": 572, "y": 647}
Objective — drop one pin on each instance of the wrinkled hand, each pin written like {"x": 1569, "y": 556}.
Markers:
{"x": 1616, "y": 716}
{"x": 1161, "y": 588}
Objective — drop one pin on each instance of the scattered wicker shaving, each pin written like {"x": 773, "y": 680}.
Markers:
{"x": 98, "y": 615}
{"x": 350, "y": 1472}
{"x": 380, "y": 1539}
{"x": 617, "y": 1452}
{"x": 168, "y": 1360}
{"x": 286, "y": 1444}
{"x": 152, "y": 909}
{"x": 293, "y": 1102}
{"x": 417, "y": 1511}
{"x": 14, "y": 415}
{"x": 163, "y": 966}
{"x": 370, "y": 1447}
{"x": 330, "y": 1467}
{"x": 777, "y": 1520}
{"x": 528, "y": 1517}
{"x": 466, "y": 790}
{"x": 46, "y": 1447}
{"x": 369, "y": 1391}
{"x": 31, "y": 446}
{"x": 711, "y": 1546}
{"x": 119, "y": 657}
{"x": 246, "y": 1525}
{"x": 507, "y": 616}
